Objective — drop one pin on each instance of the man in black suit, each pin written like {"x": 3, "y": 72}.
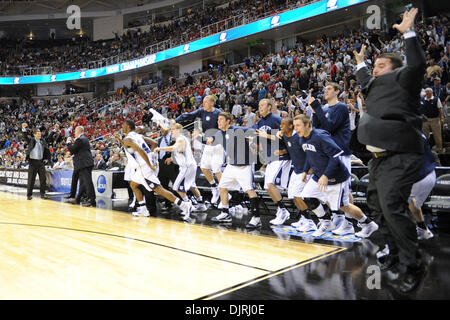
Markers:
{"x": 168, "y": 171}
{"x": 84, "y": 163}
{"x": 391, "y": 130}
{"x": 38, "y": 154}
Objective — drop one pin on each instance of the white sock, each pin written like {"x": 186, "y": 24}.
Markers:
{"x": 319, "y": 211}
{"x": 363, "y": 219}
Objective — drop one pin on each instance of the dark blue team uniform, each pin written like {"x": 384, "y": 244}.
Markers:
{"x": 335, "y": 119}
{"x": 293, "y": 145}
{"x": 236, "y": 146}
{"x": 209, "y": 119}
{"x": 322, "y": 155}
{"x": 429, "y": 163}
{"x": 269, "y": 123}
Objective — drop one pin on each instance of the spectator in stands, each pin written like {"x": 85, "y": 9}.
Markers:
{"x": 431, "y": 109}
{"x": 99, "y": 162}
{"x": 60, "y": 164}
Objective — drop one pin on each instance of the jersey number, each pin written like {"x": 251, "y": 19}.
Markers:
{"x": 146, "y": 148}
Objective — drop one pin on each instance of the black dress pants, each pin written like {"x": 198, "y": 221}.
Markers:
{"x": 390, "y": 182}
{"x": 36, "y": 167}
{"x": 86, "y": 185}
{"x": 166, "y": 174}
{"x": 74, "y": 183}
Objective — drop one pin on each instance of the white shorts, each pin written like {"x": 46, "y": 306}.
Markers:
{"x": 296, "y": 185}
{"x": 237, "y": 177}
{"x": 347, "y": 161}
{"x": 335, "y": 195}
{"x": 277, "y": 172}
{"x": 213, "y": 161}
{"x": 146, "y": 177}
{"x": 422, "y": 189}
{"x": 185, "y": 179}
{"x": 128, "y": 172}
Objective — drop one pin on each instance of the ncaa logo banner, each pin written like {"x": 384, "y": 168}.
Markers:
{"x": 101, "y": 184}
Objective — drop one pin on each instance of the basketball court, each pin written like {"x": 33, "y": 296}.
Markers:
{"x": 54, "y": 250}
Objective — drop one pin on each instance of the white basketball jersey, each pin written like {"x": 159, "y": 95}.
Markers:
{"x": 135, "y": 156}
{"x": 185, "y": 158}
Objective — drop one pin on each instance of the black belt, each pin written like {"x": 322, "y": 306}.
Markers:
{"x": 382, "y": 154}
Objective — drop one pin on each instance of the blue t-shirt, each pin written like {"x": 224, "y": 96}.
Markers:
{"x": 296, "y": 153}
{"x": 322, "y": 155}
{"x": 270, "y": 124}
{"x": 209, "y": 119}
{"x": 334, "y": 119}
{"x": 237, "y": 147}
{"x": 429, "y": 162}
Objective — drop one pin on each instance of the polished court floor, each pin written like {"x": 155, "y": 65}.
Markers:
{"x": 54, "y": 250}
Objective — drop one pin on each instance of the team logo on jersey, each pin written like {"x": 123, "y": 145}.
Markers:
{"x": 101, "y": 184}
{"x": 208, "y": 118}
{"x": 152, "y": 185}
{"x": 275, "y": 21}
{"x": 223, "y": 37}
{"x": 308, "y": 147}
{"x": 331, "y": 5}
{"x": 289, "y": 144}
{"x": 265, "y": 128}
{"x": 227, "y": 136}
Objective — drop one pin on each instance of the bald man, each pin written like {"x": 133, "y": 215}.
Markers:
{"x": 84, "y": 163}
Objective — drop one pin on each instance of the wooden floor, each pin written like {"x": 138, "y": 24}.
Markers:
{"x": 54, "y": 250}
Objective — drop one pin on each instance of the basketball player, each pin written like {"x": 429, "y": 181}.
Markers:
{"x": 184, "y": 157}
{"x": 328, "y": 184}
{"x": 296, "y": 184}
{"x": 335, "y": 119}
{"x": 278, "y": 167}
{"x": 421, "y": 190}
{"x": 137, "y": 150}
{"x": 239, "y": 172}
{"x": 210, "y": 160}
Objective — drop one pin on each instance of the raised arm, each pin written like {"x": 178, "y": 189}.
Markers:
{"x": 411, "y": 75}
{"x": 363, "y": 75}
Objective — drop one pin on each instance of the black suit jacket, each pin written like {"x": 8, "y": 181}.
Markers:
{"x": 393, "y": 120}
{"x": 81, "y": 150}
{"x": 31, "y": 141}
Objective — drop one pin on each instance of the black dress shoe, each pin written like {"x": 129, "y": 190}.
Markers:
{"x": 387, "y": 262}
{"x": 412, "y": 278}
{"x": 73, "y": 201}
{"x": 89, "y": 204}
{"x": 29, "y": 197}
